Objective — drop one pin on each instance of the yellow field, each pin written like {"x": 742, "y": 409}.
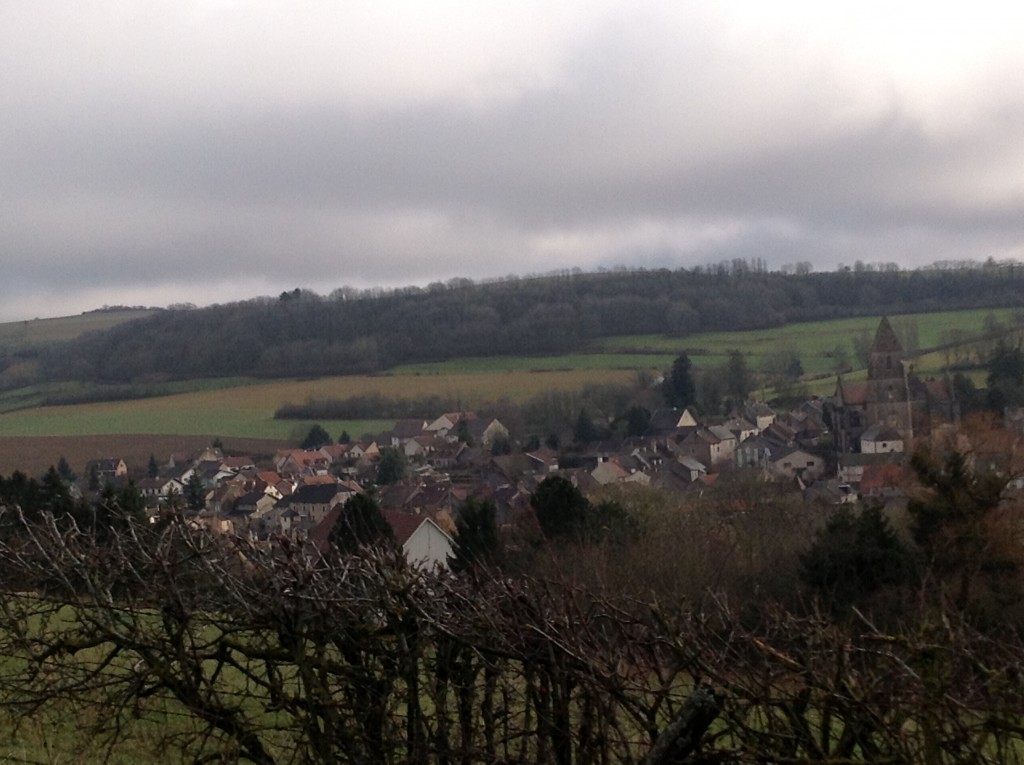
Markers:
{"x": 249, "y": 411}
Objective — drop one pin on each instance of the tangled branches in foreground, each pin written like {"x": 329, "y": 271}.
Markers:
{"x": 279, "y": 656}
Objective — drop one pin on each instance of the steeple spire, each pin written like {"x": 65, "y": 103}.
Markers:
{"x": 885, "y": 338}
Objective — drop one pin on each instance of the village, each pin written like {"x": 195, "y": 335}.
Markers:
{"x": 831, "y": 450}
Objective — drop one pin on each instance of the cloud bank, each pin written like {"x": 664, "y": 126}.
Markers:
{"x": 213, "y": 151}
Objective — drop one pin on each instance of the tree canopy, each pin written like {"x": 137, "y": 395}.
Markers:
{"x": 353, "y": 332}
{"x": 854, "y": 556}
{"x": 561, "y": 508}
{"x": 679, "y": 388}
{"x": 477, "y": 545}
{"x": 361, "y": 525}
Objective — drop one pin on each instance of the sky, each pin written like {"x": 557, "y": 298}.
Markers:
{"x": 205, "y": 152}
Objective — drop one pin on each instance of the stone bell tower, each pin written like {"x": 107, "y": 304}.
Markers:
{"x": 888, "y": 394}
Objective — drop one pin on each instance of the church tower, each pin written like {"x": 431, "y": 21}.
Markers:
{"x": 888, "y": 394}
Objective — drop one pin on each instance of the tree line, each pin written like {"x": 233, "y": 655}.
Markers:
{"x": 302, "y": 333}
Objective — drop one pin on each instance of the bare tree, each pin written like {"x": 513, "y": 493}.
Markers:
{"x": 277, "y": 655}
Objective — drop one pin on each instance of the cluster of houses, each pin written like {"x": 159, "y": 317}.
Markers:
{"x": 453, "y": 457}
{"x": 299, "y": 492}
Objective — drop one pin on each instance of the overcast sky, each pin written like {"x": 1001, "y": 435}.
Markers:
{"x": 159, "y": 152}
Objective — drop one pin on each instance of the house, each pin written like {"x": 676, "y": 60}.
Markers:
{"x": 760, "y": 414}
{"x": 712, "y": 445}
{"x": 879, "y": 439}
{"x": 443, "y": 426}
{"x": 669, "y": 422}
{"x": 543, "y": 460}
{"x": 850, "y": 468}
{"x": 405, "y": 430}
{"x": 237, "y": 464}
{"x": 107, "y": 469}
{"x": 741, "y": 428}
{"x": 609, "y": 471}
{"x": 311, "y": 502}
{"x": 755, "y": 452}
{"x": 689, "y": 468}
{"x": 423, "y": 541}
{"x": 796, "y": 463}
{"x": 419, "y": 447}
{"x": 335, "y": 452}
{"x": 171, "y": 486}
{"x": 149, "y": 488}
{"x": 301, "y": 462}
{"x": 365, "y": 450}
{"x": 445, "y": 456}
{"x": 882, "y": 480}
{"x": 484, "y": 432}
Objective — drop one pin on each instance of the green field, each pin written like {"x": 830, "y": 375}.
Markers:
{"x": 18, "y": 334}
{"x": 245, "y": 407}
{"x": 811, "y": 339}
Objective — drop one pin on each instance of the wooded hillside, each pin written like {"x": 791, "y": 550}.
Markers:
{"x": 349, "y": 332}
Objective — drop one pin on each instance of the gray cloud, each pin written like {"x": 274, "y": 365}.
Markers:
{"x": 653, "y": 138}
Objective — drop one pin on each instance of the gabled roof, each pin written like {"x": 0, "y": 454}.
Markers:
{"x": 315, "y": 494}
{"x": 671, "y": 419}
{"x": 721, "y": 432}
{"x": 408, "y": 428}
{"x": 404, "y": 525}
{"x": 739, "y": 424}
{"x": 758, "y": 443}
{"x": 692, "y": 464}
{"x": 335, "y": 451}
{"x": 880, "y": 432}
{"x": 783, "y": 453}
{"x": 878, "y": 477}
{"x": 851, "y": 392}
{"x": 478, "y": 427}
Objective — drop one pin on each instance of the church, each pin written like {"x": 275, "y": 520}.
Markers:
{"x": 892, "y": 403}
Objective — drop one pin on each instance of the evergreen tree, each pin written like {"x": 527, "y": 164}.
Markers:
{"x": 195, "y": 493}
{"x": 854, "y": 556}
{"x": 954, "y": 522}
{"x": 94, "y": 477}
{"x": 65, "y": 471}
{"x": 462, "y": 432}
{"x": 360, "y": 525}
{"x": 391, "y": 466}
{"x": 585, "y": 432}
{"x": 152, "y": 469}
{"x": 738, "y": 380}
{"x": 476, "y": 540}
{"x": 54, "y": 495}
{"x": 679, "y": 388}
{"x": 638, "y": 420}
{"x": 609, "y": 521}
{"x": 316, "y": 438}
{"x": 1005, "y": 378}
{"x": 561, "y": 509}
